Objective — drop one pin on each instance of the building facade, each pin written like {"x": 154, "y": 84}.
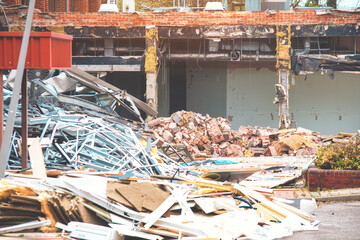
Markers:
{"x": 229, "y": 63}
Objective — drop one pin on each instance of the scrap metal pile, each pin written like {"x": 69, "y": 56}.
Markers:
{"x": 205, "y": 136}
{"x": 102, "y": 177}
{"x": 71, "y": 139}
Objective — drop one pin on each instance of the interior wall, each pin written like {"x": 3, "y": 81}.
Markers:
{"x": 177, "y": 86}
{"x": 206, "y": 88}
{"x": 250, "y": 95}
{"x": 245, "y": 95}
{"x": 163, "y": 91}
{"x": 324, "y": 105}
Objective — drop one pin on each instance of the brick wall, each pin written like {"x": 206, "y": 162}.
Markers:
{"x": 320, "y": 178}
{"x": 12, "y": 2}
{"x": 42, "y": 5}
{"x": 81, "y": 6}
{"x": 187, "y": 19}
{"x": 60, "y": 5}
{"x": 169, "y": 3}
{"x": 94, "y": 5}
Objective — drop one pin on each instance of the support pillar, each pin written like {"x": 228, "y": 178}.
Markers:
{"x": 24, "y": 122}
{"x": 151, "y": 62}
{"x": 283, "y": 65}
{"x": 284, "y": 121}
{"x": 1, "y": 107}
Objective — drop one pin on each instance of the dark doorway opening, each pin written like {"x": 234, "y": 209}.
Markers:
{"x": 133, "y": 83}
{"x": 177, "y": 86}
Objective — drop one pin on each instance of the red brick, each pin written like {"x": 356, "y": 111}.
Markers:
{"x": 81, "y": 6}
{"x": 354, "y": 174}
{"x": 94, "y": 5}
{"x": 61, "y": 5}
{"x": 341, "y": 174}
{"x": 41, "y": 5}
{"x": 355, "y": 183}
{"x": 184, "y": 19}
{"x": 12, "y": 2}
{"x": 329, "y": 173}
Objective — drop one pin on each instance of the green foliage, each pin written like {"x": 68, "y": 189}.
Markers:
{"x": 341, "y": 156}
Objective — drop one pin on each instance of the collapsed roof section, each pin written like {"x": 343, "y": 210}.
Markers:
{"x": 303, "y": 64}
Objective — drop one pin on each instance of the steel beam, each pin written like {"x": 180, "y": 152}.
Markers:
{"x": 5, "y": 147}
{"x": 24, "y": 122}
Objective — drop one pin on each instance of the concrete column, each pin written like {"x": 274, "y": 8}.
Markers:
{"x": 283, "y": 64}
{"x": 284, "y": 121}
{"x": 151, "y": 62}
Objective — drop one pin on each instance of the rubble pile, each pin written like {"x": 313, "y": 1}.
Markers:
{"x": 341, "y": 137}
{"x": 97, "y": 175}
{"x": 203, "y": 135}
{"x": 198, "y": 133}
{"x": 94, "y": 206}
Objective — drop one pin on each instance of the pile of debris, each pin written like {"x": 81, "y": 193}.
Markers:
{"x": 97, "y": 175}
{"x": 212, "y": 135}
{"x": 341, "y": 137}
{"x": 67, "y": 131}
{"x": 204, "y": 136}
{"x": 152, "y": 208}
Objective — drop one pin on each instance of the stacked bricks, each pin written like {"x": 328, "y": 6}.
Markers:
{"x": 94, "y": 5}
{"x": 81, "y": 6}
{"x": 321, "y": 178}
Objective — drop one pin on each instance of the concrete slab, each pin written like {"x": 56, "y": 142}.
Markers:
{"x": 343, "y": 195}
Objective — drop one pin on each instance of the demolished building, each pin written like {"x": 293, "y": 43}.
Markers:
{"x": 204, "y": 61}
{"x": 218, "y": 62}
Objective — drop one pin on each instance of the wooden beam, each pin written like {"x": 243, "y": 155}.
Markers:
{"x": 37, "y": 160}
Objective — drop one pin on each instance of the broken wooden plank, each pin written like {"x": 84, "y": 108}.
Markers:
{"x": 150, "y": 219}
{"x": 37, "y": 160}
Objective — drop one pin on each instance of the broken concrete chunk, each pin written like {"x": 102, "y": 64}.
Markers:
{"x": 176, "y": 117}
{"x": 168, "y": 137}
